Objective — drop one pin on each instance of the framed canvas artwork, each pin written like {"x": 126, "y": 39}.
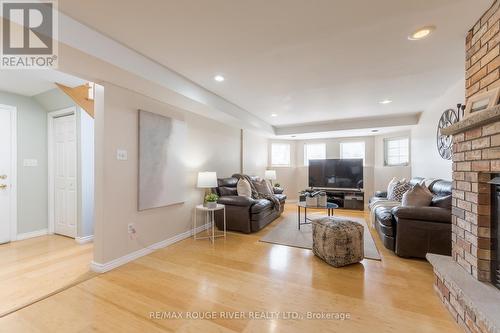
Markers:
{"x": 481, "y": 102}
{"x": 162, "y": 175}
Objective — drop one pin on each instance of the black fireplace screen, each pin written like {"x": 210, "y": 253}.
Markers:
{"x": 495, "y": 233}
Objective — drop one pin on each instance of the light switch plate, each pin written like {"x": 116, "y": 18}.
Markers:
{"x": 121, "y": 155}
{"x": 30, "y": 162}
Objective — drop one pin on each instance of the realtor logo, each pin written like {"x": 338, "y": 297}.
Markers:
{"x": 28, "y": 34}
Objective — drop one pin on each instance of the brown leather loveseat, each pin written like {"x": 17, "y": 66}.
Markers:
{"x": 416, "y": 231}
{"x": 242, "y": 213}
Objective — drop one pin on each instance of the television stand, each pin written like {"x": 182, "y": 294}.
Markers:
{"x": 345, "y": 198}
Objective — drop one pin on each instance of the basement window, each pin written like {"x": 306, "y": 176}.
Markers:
{"x": 397, "y": 151}
{"x": 280, "y": 154}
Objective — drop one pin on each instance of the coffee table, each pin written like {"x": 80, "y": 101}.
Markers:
{"x": 329, "y": 209}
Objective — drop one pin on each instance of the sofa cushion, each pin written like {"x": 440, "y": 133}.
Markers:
{"x": 261, "y": 205}
{"x": 262, "y": 186}
{"x": 243, "y": 188}
{"x": 225, "y": 191}
{"x": 384, "y": 216}
{"x": 418, "y": 196}
{"x": 443, "y": 202}
{"x": 227, "y": 182}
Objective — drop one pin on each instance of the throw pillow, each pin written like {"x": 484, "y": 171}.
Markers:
{"x": 418, "y": 196}
{"x": 390, "y": 187}
{"x": 397, "y": 191}
{"x": 262, "y": 186}
{"x": 243, "y": 188}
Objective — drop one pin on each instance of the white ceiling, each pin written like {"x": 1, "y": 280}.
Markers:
{"x": 34, "y": 82}
{"x": 306, "y": 61}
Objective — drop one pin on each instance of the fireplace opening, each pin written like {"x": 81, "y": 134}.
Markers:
{"x": 495, "y": 231}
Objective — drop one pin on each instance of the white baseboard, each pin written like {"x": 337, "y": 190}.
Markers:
{"x": 84, "y": 239}
{"x": 102, "y": 268}
{"x": 31, "y": 234}
{"x": 291, "y": 201}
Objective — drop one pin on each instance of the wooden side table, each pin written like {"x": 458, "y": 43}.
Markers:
{"x": 210, "y": 220}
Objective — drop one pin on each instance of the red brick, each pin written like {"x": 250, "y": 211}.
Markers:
{"x": 481, "y": 143}
{"x": 479, "y": 54}
{"x": 489, "y": 79}
{"x": 490, "y": 129}
{"x": 480, "y": 166}
{"x": 492, "y": 54}
{"x": 473, "y": 133}
{"x": 478, "y": 76}
{"x": 463, "y": 166}
{"x": 495, "y": 165}
{"x": 491, "y": 153}
{"x": 464, "y": 186}
{"x": 463, "y": 146}
{"x": 471, "y": 176}
{"x": 494, "y": 64}
{"x": 473, "y": 155}
{"x": 472, "y": 197}
{"x": 458, "y": 157}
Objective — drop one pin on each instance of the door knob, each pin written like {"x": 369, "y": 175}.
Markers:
{"x": 3, "y": 177}
{"x": 3, "y": 186}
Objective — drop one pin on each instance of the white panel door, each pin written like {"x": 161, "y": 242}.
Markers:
{"x": 6, "y": 156}
{"x": 65, "y": 175}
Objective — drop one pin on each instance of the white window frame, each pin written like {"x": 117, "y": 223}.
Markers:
{"x": 306, "y": 160}
{"x": 386, "y": 142}
{"x": 289, "y": 154}
{"x": 348, "y": 142}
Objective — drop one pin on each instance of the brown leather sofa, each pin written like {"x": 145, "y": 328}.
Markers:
{"x": 242, "y": 213}
{"x": 416, "y": 231}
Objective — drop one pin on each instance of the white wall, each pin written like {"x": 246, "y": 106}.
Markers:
{"x": 31, "y": 144}
{"x": 426, "y": 161}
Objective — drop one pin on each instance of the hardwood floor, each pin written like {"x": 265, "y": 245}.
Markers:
{"x": 243, "y": 274}
{"x": 34, "y": 268}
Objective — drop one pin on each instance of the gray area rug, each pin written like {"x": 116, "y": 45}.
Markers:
{"x": 287, "y": 233}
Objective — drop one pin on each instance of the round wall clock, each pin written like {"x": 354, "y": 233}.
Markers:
{"x": 445, "y": 142}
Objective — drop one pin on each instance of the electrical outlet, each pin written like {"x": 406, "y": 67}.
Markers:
{"x": 131, "y": 229}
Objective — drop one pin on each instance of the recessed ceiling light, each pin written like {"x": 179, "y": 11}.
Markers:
{"x": 386, "y": 101}
{"x": 422, "y": 33}
{"x": 219, "y": 78}
{"x": 274, "y": 115}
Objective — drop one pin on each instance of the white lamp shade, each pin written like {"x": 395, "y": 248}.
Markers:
{"x": 270, "y": 174}
{"x": 207, "y": 180}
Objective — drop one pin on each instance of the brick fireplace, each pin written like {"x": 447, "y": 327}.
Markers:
{"x": 464, "y": 280}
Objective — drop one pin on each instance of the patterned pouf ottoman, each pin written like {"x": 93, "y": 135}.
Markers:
{"x": 338, "y": 241}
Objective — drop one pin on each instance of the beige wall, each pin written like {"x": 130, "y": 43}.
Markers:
{"x": 210, "y": 146}
{"x": 254, "y": 153}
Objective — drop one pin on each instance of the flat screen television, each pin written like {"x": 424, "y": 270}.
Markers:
{"x": 336, "y": 173}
